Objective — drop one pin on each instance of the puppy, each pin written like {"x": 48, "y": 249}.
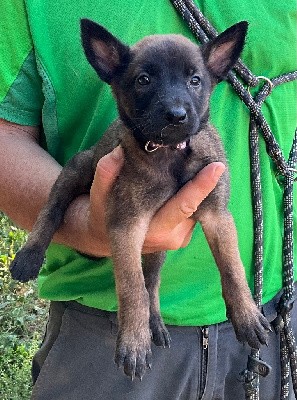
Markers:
{"x": 162, "y": 86}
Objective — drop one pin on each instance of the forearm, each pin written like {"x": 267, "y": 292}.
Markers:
{"x": 27, "y": 173}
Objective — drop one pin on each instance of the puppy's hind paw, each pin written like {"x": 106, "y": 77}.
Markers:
{"x": 135, "y": 362}
{"x": 253, "y": 329}
{"x": 26, "y": 264}
{"x": 159, "y": 332}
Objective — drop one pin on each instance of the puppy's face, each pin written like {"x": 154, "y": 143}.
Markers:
{"x": 163, "y": 83}
{"x": 163, "y": 93}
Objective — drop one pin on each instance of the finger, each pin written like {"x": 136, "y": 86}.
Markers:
{"x": 107, "y": 170}
{"x": 108, "y": 167}
{"x": 187, "y": 238}
{"x": 186, "y": 201}
{"x": 179, "y": 237}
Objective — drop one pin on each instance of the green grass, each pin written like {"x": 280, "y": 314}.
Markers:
{"x": 22, "y": 319}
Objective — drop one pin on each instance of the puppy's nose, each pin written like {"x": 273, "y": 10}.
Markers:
{"x": 176, "y": 115}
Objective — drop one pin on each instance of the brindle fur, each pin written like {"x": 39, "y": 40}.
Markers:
{"x": 170, "y": 109}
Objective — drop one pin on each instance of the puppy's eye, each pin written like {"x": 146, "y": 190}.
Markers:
{"x": 195, "y": 80}
{"x": 143, "y": 79}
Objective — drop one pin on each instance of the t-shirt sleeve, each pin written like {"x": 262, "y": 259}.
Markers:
{"x": 21, "y": 95}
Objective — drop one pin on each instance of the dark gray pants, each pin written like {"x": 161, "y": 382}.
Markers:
{"x": 75, "y": 361}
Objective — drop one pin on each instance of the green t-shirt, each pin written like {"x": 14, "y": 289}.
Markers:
{"x": 45, "y": 78}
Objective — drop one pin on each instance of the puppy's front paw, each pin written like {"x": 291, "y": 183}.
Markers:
{"x": 251, "y": 326}
{"x": 159, "y": 332}
{"x": 133, "y": 353}
{"x": 26, "y": 264}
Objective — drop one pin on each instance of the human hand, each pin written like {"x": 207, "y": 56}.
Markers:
{"x": 171, "y": 227}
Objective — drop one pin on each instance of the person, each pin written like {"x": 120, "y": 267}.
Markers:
{"x": 53, "y": 105}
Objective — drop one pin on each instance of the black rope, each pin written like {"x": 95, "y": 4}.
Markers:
{"x": 288, "y": 346}
{"x": 204, "y": 31}
{"x": 273, "y": 148}
{"x": 251, "y": 378}
{"x": 288, "y": 276}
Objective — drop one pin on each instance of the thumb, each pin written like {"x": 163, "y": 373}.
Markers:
{"x": 108, "y": 167}
{"x": 188, "y": 198}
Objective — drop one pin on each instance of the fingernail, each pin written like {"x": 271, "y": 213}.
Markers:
{"x": 112, "y": 161}
{"x": 218, "y": 170}
{"x": 117, "y": 153}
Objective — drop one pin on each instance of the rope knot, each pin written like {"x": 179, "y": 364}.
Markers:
{"x": 283, "y": 308}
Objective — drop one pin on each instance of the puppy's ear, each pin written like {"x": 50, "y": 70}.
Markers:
{"x": 107, "y": 55}
{"x": 221, "y": 53}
